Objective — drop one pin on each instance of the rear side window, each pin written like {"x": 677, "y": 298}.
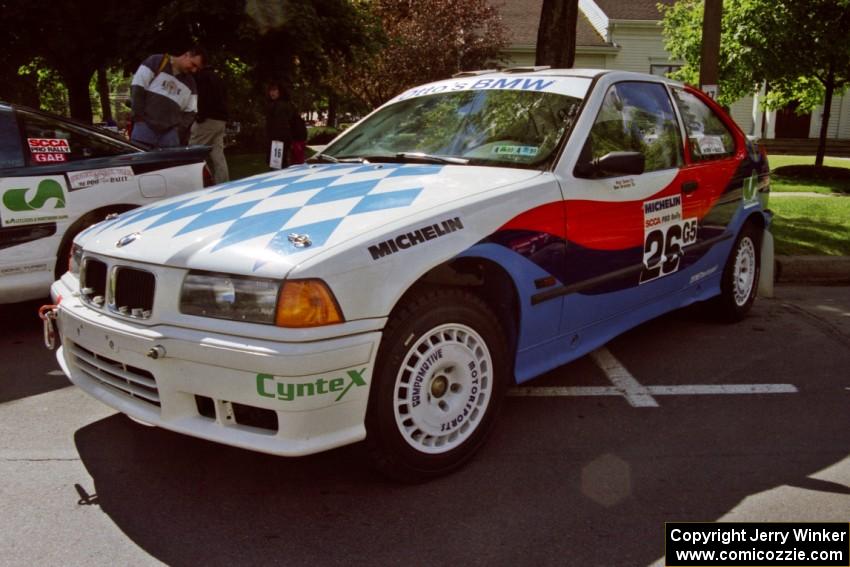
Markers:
{"x": 708, "y": 136}
{"x": 11, "y": 154}
{"x": 51, "y": 141}
{"x": 637, "y": 117}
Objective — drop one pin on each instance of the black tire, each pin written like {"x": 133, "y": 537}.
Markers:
{"x": 740, "y": 282}
{"x": 438, "y": 385}
{"x": 83, "y": 223}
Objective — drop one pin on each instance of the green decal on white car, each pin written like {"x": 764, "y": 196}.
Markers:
{"x": 269, "y": 386}
{"x": 751, "y": 193}
{"x": 20, "y": 205}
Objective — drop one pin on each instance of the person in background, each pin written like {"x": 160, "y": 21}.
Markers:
{"x": 298, "y": 131}
{"x": 165, "y": 97}
{"x": 211, "y": 121}
{"x": 278, "y": 116}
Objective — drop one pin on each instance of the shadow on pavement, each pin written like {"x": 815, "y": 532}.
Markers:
{"x": 587, "y": 482}
{"x": 562, "y": 481}
{"x": 34, "y": 369}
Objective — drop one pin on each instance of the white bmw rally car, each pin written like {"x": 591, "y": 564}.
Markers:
{"x": 467, "y": 235}
{"x": 58, "y": 177}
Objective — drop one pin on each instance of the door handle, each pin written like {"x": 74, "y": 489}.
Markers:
{"x": 690, "y": 186}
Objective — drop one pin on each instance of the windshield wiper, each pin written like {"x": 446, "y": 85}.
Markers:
{"x": 418, "y": 156}
{"x": 326, "y": 158}
{"x": 323, "y": 158}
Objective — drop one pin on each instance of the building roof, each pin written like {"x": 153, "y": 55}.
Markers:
{"x": 632, "y": 9}
{"x": 522, "y": 18}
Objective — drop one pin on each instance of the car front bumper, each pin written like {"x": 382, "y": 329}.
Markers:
{"x": 286, "y": 399}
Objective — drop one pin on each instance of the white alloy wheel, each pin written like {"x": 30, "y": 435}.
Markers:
{"x": 744, "y": 274}
{"x": 443, "y": 388}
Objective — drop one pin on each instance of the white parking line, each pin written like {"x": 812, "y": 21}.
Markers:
{"x": 638, "y": 395}
{"x": 622, "y": 379}
{"x": 690, "y": 390}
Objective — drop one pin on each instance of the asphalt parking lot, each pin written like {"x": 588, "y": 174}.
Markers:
{"x": 681, "y": 419}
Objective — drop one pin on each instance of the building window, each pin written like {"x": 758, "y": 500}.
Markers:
{"x": 663, "y": 70}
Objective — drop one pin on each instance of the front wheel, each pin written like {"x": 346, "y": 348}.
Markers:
{"x": 741, "y": 275}
{"x": 441, "y": 375}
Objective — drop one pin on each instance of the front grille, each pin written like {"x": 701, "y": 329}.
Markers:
{"x": 255, "y": 417}
{"x": 133, "y": 292}
{"x": 93, "y": 281}
{"x": 129, "y": 380}
{"x": 242, "y": 414}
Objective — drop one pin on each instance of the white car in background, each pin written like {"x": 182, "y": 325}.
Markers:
{"x": 58, "y": 177}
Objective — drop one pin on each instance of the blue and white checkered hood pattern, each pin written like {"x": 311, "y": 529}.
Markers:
{"x": 244, "y": 226}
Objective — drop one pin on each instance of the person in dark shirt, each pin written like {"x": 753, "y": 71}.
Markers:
{"x": 211, "y": 122}
{"x": 164, "y": 97}
{"x": 278, "y": 116}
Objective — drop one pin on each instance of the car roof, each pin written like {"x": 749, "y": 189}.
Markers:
{"x": 543, "y": 71}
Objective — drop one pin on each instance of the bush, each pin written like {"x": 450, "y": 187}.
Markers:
{"x": 812, "y": 172}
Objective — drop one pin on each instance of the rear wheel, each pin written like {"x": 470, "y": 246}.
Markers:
{"x": 741, "y": 275}
{"x": 440, "y": 379}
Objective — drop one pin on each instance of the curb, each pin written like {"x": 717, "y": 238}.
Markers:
{"x": 829, "y": 270}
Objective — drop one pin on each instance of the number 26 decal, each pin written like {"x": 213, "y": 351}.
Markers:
{"x": 662, "y": 248}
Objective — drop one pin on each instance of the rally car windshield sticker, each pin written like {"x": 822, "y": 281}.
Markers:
{"x": 48, "y": 150}
{"x": 711, "y": 145}
{"x": 569, "y": 86}
{"x": 665, "y": 234}
{"x": 515, "y": 150}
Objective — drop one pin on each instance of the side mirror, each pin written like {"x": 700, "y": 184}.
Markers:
{"x": 613, "y": 164}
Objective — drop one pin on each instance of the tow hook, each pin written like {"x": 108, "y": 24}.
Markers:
{"x": 156, "y": 352}
{"x": 47, "y": 314}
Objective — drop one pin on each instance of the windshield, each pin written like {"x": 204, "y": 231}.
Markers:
{"x": 515, "y": 128}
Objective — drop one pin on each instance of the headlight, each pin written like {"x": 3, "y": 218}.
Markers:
{"x": 75, "y": 259}
{"x": 229, "y": 297}
{"x": 301, "y": 303}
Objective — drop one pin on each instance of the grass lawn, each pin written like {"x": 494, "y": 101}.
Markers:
{"x": 811, "y": 225}
{"x": 245, "y": 165}
{"x": 783, "y": 185}
{"x": 783, "y": 160}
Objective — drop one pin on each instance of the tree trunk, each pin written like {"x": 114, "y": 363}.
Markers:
{"x": 556, "y": 36}
{"x": 103, "y": 92}
{"x": 829, "y": 86}
{"x": 77, "y": 81}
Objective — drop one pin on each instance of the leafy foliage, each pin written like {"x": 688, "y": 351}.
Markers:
{"x": 791, "y": 44}
{"x": 411, "y": 42}
{"x": 290, "y": 41}
{"x": 801, "y": 48}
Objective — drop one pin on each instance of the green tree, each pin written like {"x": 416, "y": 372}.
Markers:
{"x": 801, "y": 48}
{"x": 410, "y": 42}
{"x": 291, "y": 41}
